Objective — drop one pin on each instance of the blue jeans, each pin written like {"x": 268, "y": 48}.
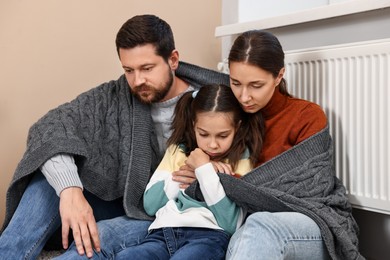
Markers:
{"x": 273, "y": 236}
{"x": 37, "y": 218}
{"x": 115, "y": 235}
{"x": 179, "y": 243}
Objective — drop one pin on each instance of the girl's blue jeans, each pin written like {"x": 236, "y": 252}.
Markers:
{"x": 179, "y": 243}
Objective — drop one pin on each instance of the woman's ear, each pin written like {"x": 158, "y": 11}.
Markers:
{"x": 280, "y": 76}
{"x": 173, "y": 60}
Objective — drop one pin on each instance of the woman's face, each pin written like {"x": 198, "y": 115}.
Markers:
{"x": 252, "y": 86}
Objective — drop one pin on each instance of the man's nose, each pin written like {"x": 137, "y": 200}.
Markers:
{"x": 139, "y": 79}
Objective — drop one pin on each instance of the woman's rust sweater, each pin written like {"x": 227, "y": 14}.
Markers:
{"x": 288, "y": 121}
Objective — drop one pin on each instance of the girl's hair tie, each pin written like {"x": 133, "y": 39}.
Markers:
{"x": 195, "y": 93}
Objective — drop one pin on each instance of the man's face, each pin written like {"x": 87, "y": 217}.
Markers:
{"x": 149, "y": 76}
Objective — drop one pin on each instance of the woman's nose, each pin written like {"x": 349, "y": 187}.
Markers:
{"x": 245, "y": 95}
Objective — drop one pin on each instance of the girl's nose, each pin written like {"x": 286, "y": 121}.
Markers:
{"x": 213, "y": 144}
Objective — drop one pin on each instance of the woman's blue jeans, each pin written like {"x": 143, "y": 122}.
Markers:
{"x": 179, "y": 243}
{"x": 37, "y": 218}
{"x": 274, "y": 236}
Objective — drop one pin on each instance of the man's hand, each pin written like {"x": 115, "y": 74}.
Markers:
{"x": 185, "y": 176}
{"x": 76, "y": 214}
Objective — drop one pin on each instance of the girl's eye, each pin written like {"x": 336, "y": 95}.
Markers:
{"x": 148, "y": 69}
{"x": 128, "y": 71}
{"x": 235, "y": 84}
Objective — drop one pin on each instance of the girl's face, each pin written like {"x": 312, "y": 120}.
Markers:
{"x": 252, "y": 86}
{"x": 214, "y": 132}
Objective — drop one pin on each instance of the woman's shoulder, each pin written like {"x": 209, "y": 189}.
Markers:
{"x": 310, "y": 117}
{"x": 306, "y": 108}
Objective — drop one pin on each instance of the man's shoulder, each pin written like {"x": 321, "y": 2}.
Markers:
{"x": 106, "y": 88}
{"x": 199, "y": 76}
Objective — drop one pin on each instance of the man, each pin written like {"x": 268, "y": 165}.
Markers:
{"x": 99, "y": 150}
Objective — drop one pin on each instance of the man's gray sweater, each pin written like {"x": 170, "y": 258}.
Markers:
{"x": 110, "y": 134}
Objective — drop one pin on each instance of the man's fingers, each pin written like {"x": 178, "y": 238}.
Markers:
{"x": 185, "y": 167}
{"x": 93, "y": 231}
{"x": 78, "y": 240}
{"x": 184, "y": 186}
{"x": 65, "y": 234}
{"x": 185, "y": 173}
{"x": 86, "y": 240}
{"x": 184, "y": 179}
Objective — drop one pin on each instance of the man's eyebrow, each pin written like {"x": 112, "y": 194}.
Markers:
{"x": 141, "y": 66}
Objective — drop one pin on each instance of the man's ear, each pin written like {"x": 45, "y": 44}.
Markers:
{"x": 173, "y": 60}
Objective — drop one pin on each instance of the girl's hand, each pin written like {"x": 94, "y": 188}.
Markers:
{"x": 223, "y": 167}
{"x": 197, "y": 158}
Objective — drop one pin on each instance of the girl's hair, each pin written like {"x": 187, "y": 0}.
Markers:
{"x": 218, "y": 98}
{"x": 261, "y": 49}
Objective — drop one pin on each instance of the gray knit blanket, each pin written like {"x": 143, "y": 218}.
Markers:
{"x": 303, "y": 180}
{"x": 110, "y": 134}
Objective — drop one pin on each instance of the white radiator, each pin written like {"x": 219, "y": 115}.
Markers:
{"x": 352, "y": 84}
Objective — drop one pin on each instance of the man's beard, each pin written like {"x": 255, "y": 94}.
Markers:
{"x": 157, "y": 95}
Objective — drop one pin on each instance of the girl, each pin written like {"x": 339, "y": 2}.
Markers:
{"x": 208, "y": 125}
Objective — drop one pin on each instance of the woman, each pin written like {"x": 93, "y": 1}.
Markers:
{"x": 299, "y": 208}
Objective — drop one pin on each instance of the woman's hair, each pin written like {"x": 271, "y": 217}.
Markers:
{"x": 261, "y": 49}
{"x": 146, "y": 29}
{"x": 217, "y": 98}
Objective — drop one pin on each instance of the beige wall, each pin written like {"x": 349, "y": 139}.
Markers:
{"x": 52, "y": 50}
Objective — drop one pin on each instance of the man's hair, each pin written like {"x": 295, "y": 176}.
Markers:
{"x": 146, "y": 29}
